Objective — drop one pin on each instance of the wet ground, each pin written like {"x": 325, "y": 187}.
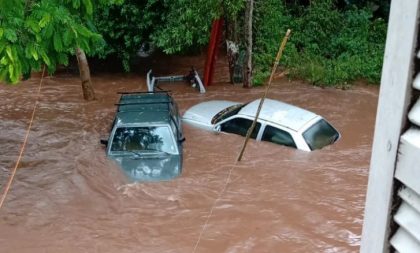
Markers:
{"x": 68, "y": 197}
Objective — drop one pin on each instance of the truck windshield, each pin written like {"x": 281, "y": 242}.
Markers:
{"x": 143, "y": 140}
{"x": 320, "y": 135}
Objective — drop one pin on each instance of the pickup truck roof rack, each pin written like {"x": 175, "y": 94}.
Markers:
{"x": 144, "y": 103}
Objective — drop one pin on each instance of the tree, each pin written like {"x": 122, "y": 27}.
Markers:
{"x": 247, "y": 83}
{"x": 185, "y": 24}
{"x": 128, "y": 27}
{"x": 45, "y": 32}
{"x": 231, "y": 10}
{"x": 88, "y": 92}
{"x": 175, "y": 26}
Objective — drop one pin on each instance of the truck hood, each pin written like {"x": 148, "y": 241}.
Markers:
{"x": 204, "y": 112}
{"x": 151, "y": 168}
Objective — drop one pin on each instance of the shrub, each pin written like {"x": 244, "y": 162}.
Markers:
{"x": 327, "y": 46}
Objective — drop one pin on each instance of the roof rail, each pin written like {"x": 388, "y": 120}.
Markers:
{"x": 143, "y": 103}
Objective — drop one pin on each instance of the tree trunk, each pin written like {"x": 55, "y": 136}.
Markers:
{"x": 232, "y": 46}
{"x": 88, "y": 92}
{"x": 232, "y": 57}
{"x": 247, "y": 83}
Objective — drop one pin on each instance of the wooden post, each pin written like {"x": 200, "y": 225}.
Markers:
{"x": 88, "y": 92}
{"x": 273, "y": 71}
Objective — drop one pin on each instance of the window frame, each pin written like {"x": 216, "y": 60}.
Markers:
{"x": 116, "y": 126}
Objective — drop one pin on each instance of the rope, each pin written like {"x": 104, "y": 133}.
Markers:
{"x": 22, "y": 149}
{"x": 213, "y": 206}
{"x": 278, "y": 57}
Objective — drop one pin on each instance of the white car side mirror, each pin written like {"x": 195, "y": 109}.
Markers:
{"x": 216, "y": 129}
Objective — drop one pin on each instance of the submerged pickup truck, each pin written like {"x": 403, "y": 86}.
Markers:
{"x": 146, "y": 136}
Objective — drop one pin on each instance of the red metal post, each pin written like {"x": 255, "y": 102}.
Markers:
{"x": 213, "y": 49}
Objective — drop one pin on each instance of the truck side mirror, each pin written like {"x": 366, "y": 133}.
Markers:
{"x": 104, "y": 142}
{"x": 181, "y": 140}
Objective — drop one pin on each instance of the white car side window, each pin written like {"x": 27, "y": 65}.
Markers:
{"x": 278, "y": 136}
{"x": 240, "y": 126}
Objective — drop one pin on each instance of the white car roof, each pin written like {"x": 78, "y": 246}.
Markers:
{"x": 280, "y": 113}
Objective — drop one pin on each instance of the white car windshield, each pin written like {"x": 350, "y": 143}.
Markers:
{"x": 143, "y": 140}
{"x": 320, "y": 134}
{"x": 227, "y": 112}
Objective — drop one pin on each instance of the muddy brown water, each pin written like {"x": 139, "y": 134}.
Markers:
{"x": 68, "y": 197}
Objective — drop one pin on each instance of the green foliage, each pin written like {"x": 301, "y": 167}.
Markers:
{"x": 332, "y": 42}
{"x": 270, "y": 25}
{"x": 379, "y": 7}
{"x": 328, "y": 46}
{"x": 185, "y": 24}
{"x": 232, "y": 8}
{"x": 174, "y": 26}
{"x": 44, "y": 32}
{"x": 126, "y": 27}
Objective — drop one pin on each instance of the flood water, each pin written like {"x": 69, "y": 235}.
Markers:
{"x": 68, "y": 197}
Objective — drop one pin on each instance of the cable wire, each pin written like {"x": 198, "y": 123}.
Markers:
{"x": 22, "y": 149}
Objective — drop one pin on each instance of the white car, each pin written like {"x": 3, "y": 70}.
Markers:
{"x": 278, "y": 122}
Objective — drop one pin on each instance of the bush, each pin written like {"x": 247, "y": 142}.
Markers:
{"x": 332, "y": 42}
{"x": 126, "y": 27}
{"x": 270, "y": 24}
{"x": 174, "y": 26}
{"x": 327, "y": 46}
